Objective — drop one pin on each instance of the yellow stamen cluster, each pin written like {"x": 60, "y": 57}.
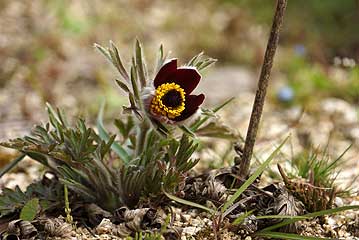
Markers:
{"x": 157, "y": 105}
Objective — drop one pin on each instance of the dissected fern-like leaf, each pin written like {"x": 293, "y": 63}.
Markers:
{"x": 48, "y": 192}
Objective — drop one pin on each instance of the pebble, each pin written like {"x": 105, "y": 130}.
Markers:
{"x": 340, "y": 109}
{"x": 190, "y": 230}
{"x": 11, "y": 180}
{"x": 354, "y": 133}
{"x": 331, "y": 221}
{"x": 338, "y": 202}
{"x": 186, "y": 217}
{"x": 196, "y": 222}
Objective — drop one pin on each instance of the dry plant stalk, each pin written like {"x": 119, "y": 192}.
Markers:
{"x": 245, "y": 160}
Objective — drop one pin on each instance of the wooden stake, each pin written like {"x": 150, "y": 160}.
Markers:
{"x": 272, "y": 44}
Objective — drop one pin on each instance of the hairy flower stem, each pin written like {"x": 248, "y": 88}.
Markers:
{"x": 272, "y": 44}
{"x": 69, "y": 218}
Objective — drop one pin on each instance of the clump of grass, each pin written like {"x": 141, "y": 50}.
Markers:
{"x": 317, "y": 166}
{"x": 313, "y": 180}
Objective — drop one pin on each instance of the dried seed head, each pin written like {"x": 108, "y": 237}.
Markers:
{"x": 27, "y": 229}
{"x": 11, "y": 237}
{"x": 13, "y": 228}
{"x": 57, "y": 227}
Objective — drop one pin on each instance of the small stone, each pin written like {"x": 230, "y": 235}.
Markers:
{"x": 196, "y": 222}
{"x": 207, "y": 222}
{"x": 342, "y": 110}
{"x": 339, "y": 202}
{"x": 190, "y": 230}
{"x": 331, "y": 221}
{"x": 186, "y": 217}
{"x": 193, "y": 213}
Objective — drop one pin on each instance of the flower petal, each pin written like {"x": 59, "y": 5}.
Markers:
{"x": 187, "y": 77}
{"x": 166, "y": 70}
{"x": 192, "y": 104}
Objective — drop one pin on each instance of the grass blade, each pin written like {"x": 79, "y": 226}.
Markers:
{"x": 310, "y": 215}
{"x": 216, "y": 109}
{"x": 189, "y": 203}
{"x": 11, "y": 164}
{"x": 253, "y": 177}
{"x": 241, "y": 218}
{"x": 289, "y": 236}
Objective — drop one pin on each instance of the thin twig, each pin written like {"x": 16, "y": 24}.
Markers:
{"x": 244, "y": 164}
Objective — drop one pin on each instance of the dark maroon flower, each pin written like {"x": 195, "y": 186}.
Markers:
{"x": 172, "y": 101}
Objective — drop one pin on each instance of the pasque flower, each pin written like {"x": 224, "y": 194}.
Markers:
{"x": 171, "y": 100}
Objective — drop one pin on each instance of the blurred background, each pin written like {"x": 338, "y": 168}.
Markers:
{"x": 47, "y": 54}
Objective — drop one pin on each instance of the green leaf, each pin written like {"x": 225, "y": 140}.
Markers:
{"x": 29, "y": 211}
{"x": 131, "y": 97}
{"x": 309, "y": 215}
{"x": 253, "y": 177}
{"x": 118, "y": 149}
{"x": 201, "y": 121}
{"x": 188, "y": 203}
{"x": 289, "y": 236}
{"x": 113, "y": 56}
{"x": 241, "y": 218}
{"x": 122, "y": 85}
{"x": 117, "y": 60}
{"x": 11, "y": 201}
{"x": 134, "y": 83}
{"x": 125, "y": 128}
{"x": 201, "y": 62}
{"x": 194, "y": 60}
{"x": 160, "y": 59}
{"x": 161, "y": 128}
{"x": 208, "y": 62}
{"x": 103, "y": 51}
{"x": 187, "y": 131}
{"x": 140, "y": 63}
